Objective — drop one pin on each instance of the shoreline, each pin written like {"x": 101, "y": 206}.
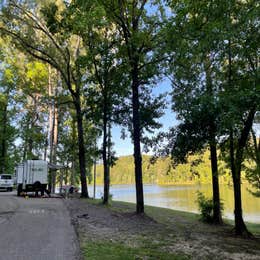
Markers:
{"x": 115, "y": 231}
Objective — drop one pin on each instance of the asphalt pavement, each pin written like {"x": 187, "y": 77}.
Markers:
{"x": 35, "y": 229}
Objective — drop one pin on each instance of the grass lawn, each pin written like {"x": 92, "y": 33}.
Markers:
{"x": 116, "y": 232}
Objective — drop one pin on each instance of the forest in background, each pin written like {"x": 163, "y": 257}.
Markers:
{"x": 196, "y": 171}
{"x": 70, "y": 70}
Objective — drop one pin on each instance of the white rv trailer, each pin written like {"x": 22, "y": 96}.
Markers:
{"x": 32, "y": 175}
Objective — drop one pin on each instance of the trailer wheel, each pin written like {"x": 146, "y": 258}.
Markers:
{"x": 37, "y": 186}
{"x": 19, "y": 190}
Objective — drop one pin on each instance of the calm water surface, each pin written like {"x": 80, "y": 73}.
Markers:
{"x": 183, "y": 198}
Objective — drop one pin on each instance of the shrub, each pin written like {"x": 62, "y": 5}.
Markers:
{"x": 206, "y": 206}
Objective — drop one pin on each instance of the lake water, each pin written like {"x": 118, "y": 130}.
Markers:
{"x": 183, "y": 197}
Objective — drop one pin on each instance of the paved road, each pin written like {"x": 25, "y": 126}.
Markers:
{"x": 35, "y": 229}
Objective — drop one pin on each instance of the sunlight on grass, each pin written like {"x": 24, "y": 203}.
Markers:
{"x": 116, "y": 251}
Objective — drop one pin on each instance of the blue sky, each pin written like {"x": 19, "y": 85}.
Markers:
{"x": 125, "y": 147}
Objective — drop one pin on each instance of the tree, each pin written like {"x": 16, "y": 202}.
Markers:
{"x": 37, "y": 31}
{"x": 104, "y": 86}
{"x": 193, "y": 67}
{"x": 224, "y": 35}
{"x": 240, "y": 69}
{"x": 139, "y": 33}
{"x": 252, "y": 169}
{"x": 8, "y": 132}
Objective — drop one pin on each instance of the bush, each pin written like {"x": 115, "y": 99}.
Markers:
{"x": 206, "y": 206}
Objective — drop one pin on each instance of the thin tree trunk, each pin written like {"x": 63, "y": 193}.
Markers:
{"x": 236, "y": 160}
{"x": 81, "y": 144}
{"x": 45, "y": 147}
{"x": 217, "y": 219}
{"x": 30, "y": 143}
{"x": 109, "y": 150}
{"x": 95, "y": 178}
{"x": 137, "y": 146}
{"x": 55, "y": 143}
{"x": 240, "y": 226}
{"x": 51, "y": 126}
{"x": 104, "y": 153}
{"x": 3, "y": 141}
{"x": 77, "y": 103}
{"x": 25, "y": 148}
{"x": 73, "y": 168}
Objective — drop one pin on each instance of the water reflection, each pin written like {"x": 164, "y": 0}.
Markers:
{"x": 184, "y": 198}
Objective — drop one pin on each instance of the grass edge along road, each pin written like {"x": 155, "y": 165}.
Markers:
{"x": 115, "y": 232}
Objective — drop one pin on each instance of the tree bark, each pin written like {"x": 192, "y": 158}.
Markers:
{"x": 217, "y": 219}
{"x": 3, "y": 141}
{"x": 236, "y": 160}
{"x": 137, "y": 146}
{"x": 73, "y": 165}
{"x": 104, "y": 153}
{"x": 54, "y": 147}
{"x": 81, "y": 144}
{"x": 240, "y": 226}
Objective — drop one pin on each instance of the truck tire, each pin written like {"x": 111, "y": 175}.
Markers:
{"x": 37, "y": 186}
{"x": 19, "y": 190}
{"x": 42, "y": 191}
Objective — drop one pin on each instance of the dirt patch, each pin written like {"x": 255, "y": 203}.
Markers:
{"x": 176, "y": 234}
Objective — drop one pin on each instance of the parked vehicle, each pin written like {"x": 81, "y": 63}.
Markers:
{"x": 32, "y": 175}
{"x": 6, "y": 182}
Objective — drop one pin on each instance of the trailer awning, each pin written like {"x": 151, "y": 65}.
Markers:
{"x": 55, "y": 166}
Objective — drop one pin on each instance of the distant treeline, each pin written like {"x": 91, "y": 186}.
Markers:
{"x": 196, "y": 170}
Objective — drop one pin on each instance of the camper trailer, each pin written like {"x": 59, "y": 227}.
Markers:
{"x": 32, "y": 175}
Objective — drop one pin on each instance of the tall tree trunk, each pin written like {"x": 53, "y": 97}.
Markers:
{"x": 137, "y": 146}
{"x": 95, "y": 178}
{"x": 51, "y": 127}
{"x": 30, "y": 143}
{"x": 77, "y": 103}
{"x": 81, "y": 144}
{"x": 73, "y": 164}
{"x": 104, "y": 153}
{"x": 217, "y": 219}
{"x": 240, "y": 226}
{"x": 55, "y": 143}
{"x": 3, "y": 141}
{"x": 25, "y": 143}
{"x": 45, "y": 147}
{"x": 237, "y": 159}
{"x": 109, "y": 146}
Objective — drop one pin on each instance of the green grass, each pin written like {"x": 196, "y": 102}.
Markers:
{"x": 154, "y": 244}
{"x": 254, "y": 228}
{"x": 103, "y": 250}
{"x": 162, "y": 215}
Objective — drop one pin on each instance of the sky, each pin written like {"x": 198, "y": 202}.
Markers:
{"x": 125, "y": 147}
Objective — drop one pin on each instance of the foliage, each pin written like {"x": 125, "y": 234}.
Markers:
{"x": 252, "y": 165}
{"x": 196, "y": 170}
{"x": 206, "y": 206}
